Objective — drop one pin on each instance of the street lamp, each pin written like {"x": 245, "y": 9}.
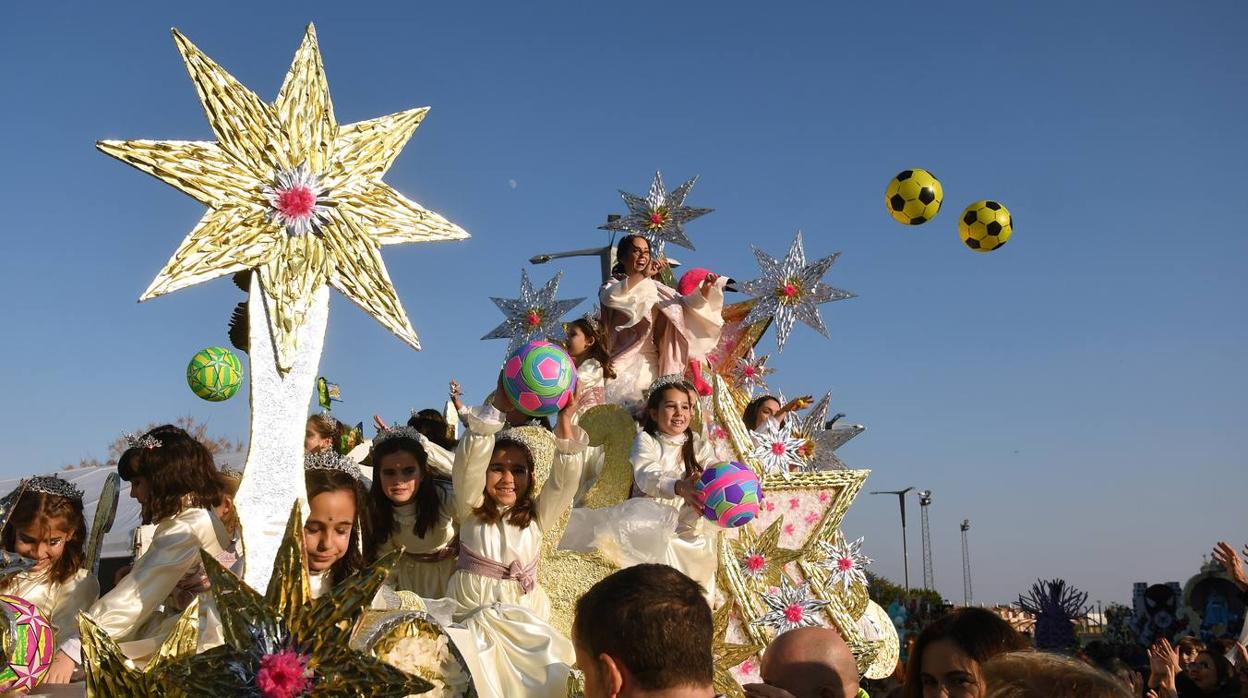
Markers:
{"x": 905, "y": 552}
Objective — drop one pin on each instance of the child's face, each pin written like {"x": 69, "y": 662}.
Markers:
{"x": 313, "y": 442}
{"x": 578, "y": 343}
{"x": 400, "y": 476}
{"x": 674, "y": 412}
{"x": 767, "y": 409}
{"x": 44, "y": 543}
{"x": 507, "y": 479}
{"x": 139, "y": 490}
{"x": 327, "y": 532}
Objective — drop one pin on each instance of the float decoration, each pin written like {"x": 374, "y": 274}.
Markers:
{"x": 790, "y": 290}
{"x": 659, "y": 217}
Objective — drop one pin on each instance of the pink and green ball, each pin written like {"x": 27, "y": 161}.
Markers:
{"x": 733, "y": 494}
{"x": 539, "y": 378}
{"x": 33, "y": 645}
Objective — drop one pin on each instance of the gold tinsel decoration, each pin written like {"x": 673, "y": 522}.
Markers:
{"x": 110, "y": 673}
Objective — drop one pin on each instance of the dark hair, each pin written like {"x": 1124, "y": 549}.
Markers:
{"x": 520, "y": 515}
{"x": 322, "y": 481}
{"x": 978, "y": 632}
{"x": 428, "y": 504}
{"x": 1188, "y": 643}
{"x": 41, "y": 508}
{"x": 432, "y": 425}
{"x": 326, "y": 427}
{"x": 653, "y": 620}
{"x": 750, "y": 417}
{"x": 1222, "y": 667}
{"x": 623, "y": 247}
{"x": 649, "y": 426}
{"x": 179, "y": 473}
{"x": 598, "y": 349}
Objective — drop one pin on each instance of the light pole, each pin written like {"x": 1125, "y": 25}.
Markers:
{"x": 605, "y": 255}
{"x": 905, "y": 552}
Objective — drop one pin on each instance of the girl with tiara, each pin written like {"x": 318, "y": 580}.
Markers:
{"x": 175, "y": 482}
{"x": 588, "y": 350}
{"x": 46, "y": 525}
{"x": 414, "y": 511}
{"x": 651, "y": 329}
{"x": 319, "y": 433}
{"x": 767, "y": 407}
{"x": 501, "y": 519}
{"x": 333, "y": 539}
{"x": 663, "y": 522}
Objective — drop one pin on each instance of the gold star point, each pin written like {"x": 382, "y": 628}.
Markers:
{"x": 290, "y": 193}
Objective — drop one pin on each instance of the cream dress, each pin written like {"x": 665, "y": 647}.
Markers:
{"x": 653, "y": 331}
{"x": 60, "y": 603}
{"x": 523, "y": 654}
{"x": 139, "y": 612}
{"x": 656, "y": 526}
{"x": 425, "y": 578}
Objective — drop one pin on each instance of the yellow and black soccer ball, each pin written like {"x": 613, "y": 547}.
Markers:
{"x": 913, "y": 196}
{"x": 985, "y": 226}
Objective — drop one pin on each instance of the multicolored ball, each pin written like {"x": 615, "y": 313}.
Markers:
{"x": 214, "y": 374}
{"x": 32, "y": 647}
{"x": 539, "y": 378}
{"x": 733, "y": 494}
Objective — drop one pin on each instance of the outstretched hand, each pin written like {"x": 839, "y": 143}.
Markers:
{"x": 380, "y": 423}
{"x": 1234, "y": 566}
{"x": 687, "y": 489}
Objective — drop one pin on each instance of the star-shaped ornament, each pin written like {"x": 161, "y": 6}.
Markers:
{"x": 777, "y": 448}
{"x": 285, "y": 637}
{"x": 791, "y": 606}
{"x": 291, "y": 194}
{"x": 660, "y": 216}
{"x": 534, "y": 315}
{"x": 844, "y": 562}
{"x": 109, "y": 672}
{"x": 791, "y": 290}
{"x": 751, "y": 372}
{"x": 727, "y": 654}
{"x": 759, "y": 556}
{"x": 818, "y": 451}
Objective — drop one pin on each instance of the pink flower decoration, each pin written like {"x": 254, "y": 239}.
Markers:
{"x": 789, "y": 290}
{"x": 296, "y": 202}
{"x": 823, "y": 497}
{"x": 771, "y": 506}
{"x": 794, "y": 613}
{"x": 788, "y": 529}
{"x": 845, "y": 564}
{"x": 283, "y": 674}
{"x": 794, "y": 503}
{"x": 755, "y": 562}
{"x": 778, "y": 448}
{"x": 747, "y": 667}
{"x": 812, "y": 517}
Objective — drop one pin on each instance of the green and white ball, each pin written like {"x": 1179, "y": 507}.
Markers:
{"x": 214, "y": 374}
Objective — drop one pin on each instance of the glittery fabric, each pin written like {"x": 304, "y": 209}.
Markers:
{"x": 728, "y": 654}
{"x": 791, "y": 290}
{"x": 534, "y": 315}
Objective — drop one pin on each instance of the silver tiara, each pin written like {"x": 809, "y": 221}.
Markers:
{"x": 136, "y": 441}
{"x": 394, "y": 432}
{"x": 537, "y": 441}
{"x": 663, "y": 381}
{"x": 53, "y": 485}
{"x": 231, "y": 472}
{"x": 329, "y": 459}
{"x": 592, "y": 318}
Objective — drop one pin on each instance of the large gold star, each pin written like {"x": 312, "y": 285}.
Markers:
{"x": 291, "y": 194}
{"x": 109, "y": 672}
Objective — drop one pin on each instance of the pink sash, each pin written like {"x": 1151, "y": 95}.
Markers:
{"x": 475, "y": 563}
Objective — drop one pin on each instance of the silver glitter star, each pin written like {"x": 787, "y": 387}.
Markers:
{"x": 778, "y": 448}
{"x": 789, "y": 607}
{"x": 534, "y": 315}
{"x": 844, "y": 562}
{"x": 751, "y": 372}
{"x": 791, "y": 290}
{"x": 660, "y": 216}
{"x": 820, "y": 441}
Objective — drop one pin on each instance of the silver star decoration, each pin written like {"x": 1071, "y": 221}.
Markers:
{"x": 791, "y": 290}
{"x": 818, "y": 451}
{"x": 844, "y": 562}
{"x": 659, "y": 217}
{"x": 534, "y": 315}
{"x": 789, "y": 607}
{"x": 778, "y": 448}
{"x": 751, "y": 372}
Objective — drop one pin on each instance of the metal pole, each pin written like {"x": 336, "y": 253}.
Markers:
{"x": 905, "y": 551}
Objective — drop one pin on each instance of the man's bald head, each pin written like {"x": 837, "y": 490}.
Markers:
{"x": 811, "y": 663}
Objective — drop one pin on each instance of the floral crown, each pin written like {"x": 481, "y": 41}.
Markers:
{"x": 51, "y": 484}
{"x": 330, "y": 459}
{"x": 396, "y": 431}
{"x": 146, "y": 441}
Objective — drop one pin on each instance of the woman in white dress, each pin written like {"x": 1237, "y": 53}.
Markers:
{"x": 651, "y": 330}
{"x": 501, "y": 520}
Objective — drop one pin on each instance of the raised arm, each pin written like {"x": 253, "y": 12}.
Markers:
{"x": 472, "y": 458}
{"x": 565, "y": 473}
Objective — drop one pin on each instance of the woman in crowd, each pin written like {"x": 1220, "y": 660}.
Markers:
{"x": 948, "y": 657}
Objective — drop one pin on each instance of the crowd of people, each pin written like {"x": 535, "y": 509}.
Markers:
{"x": 467, "y": 514}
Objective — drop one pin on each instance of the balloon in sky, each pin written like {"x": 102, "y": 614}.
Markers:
{"x": 985, "y": 226}
{"x": 913, "y": 197}
{"x": 214, "y": 374}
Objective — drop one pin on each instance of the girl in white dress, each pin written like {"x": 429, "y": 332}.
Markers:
{"x": 501, "y": 520}
{"x": 46, "y": 525}
{"x": 332, "y": 537}
{"x": 175, "y": 482}
{"x": 413, "y": 511}
{"x": 588, "y": 350}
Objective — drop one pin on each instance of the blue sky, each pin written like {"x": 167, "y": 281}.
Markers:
{"x": 1077, "y": 395}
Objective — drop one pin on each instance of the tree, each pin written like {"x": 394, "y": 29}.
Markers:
{"x": 197, "y": 430}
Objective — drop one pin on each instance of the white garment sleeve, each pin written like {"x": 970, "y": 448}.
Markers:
{"x": 635, "y": 302}
{"x": 78, "y": 595}
{"x": 648, "y": 471}
{"x": 472, "y": 458}
{"x": 441, "y": 461}
{"x": 565, "y": 476}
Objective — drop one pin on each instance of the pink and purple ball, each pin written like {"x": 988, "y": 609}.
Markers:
{"x": 539, "y": 378}
{"x": 733, "y": 494}
{"x": 33, "y": 645}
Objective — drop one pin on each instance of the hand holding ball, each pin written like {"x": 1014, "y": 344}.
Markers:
{"x": 539, "y": 378}
{"x": 732, "y": 492}
{"x": 214, "y": 374}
